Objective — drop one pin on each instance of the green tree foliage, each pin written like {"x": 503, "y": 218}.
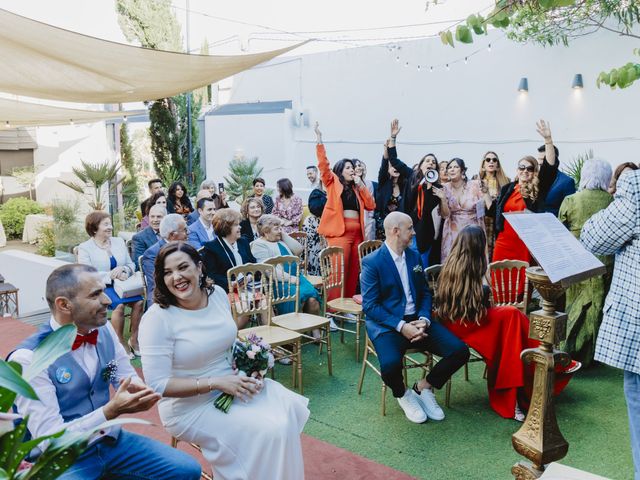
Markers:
{"x": 13, "y": 213}
{"x": 153, "y": 24}
{"x": 96, "y": 175}
{"x": 574, "y": 167}
{"x": 239, "y": 183}
{"x": 557, "y": 22}
{"x": 130, "y": 184}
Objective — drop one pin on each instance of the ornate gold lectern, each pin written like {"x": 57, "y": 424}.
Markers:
{"x": 539, "y": 439}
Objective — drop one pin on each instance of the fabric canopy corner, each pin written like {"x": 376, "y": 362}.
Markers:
{"x": 43, "y": 61}
{"x": 16, "y": 113}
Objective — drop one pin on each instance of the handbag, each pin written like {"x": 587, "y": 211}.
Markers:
{"x": 130, "y": 287}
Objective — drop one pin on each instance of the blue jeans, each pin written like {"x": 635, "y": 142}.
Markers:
{"x": 391, "y": 347}
{"x": 632, "y": 395}
{"x": 132, "y": 456}
{"x": 424, "y": 256}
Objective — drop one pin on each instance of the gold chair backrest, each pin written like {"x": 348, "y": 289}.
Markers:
{"x": 367, "y": 247}
{"x": 506, "y": 276}
{"x": 283, "y": 289}
{"x": 144, "y": 279}
{"x": 302, "y": 238}
{"x": 332, "y": 269}
{"x": 323, "y": 241}
{"x": 75, "y": 252}
{"x": 431, "y": 274}
{"x": 251, "y": 296}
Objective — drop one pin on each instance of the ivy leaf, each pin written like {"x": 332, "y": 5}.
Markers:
{"x": 476, "y": 22}
{"x": 463, "y": 34}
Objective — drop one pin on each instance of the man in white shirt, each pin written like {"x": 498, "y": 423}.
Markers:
{"x": 74, "y": 390}
{"x": 397, "y": 304}
{"x": 312, "y": 176}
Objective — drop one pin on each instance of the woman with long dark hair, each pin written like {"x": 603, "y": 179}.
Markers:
{"x": 493, "y": 177}
{"x": 498, "y": 334}
{"x": 288, "y": 206}
{"x": 178, "y": 200}
{"x": 342, "y": 221}
{"x": 186, "y": 339}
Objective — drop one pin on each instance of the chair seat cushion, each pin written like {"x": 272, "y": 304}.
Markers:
{"x": 344, "y": 305}
{"x": 300, "y": 322}
{"x": 273, "y": 335}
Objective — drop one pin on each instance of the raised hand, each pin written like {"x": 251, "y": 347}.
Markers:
{"x": 318, "y": 133}
{"x": 395, "y": 128}
{"x": 544, "y": 129}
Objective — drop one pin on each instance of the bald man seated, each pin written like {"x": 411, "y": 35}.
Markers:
{"x": 397, "y": 304}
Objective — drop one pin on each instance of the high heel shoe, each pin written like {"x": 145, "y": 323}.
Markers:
{"x": 135, "y": 352}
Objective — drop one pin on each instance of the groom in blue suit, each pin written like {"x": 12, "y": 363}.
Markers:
{"x": 397, "y": 305}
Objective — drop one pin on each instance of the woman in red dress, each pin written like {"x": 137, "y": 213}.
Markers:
{"x": 498, "y": 334}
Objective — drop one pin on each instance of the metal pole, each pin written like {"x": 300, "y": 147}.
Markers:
{"x": 189, "y": 146}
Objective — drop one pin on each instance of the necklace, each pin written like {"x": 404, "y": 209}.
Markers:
{"x": 104, "y": 245}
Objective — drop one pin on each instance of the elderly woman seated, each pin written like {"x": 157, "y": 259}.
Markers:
{"x": 228, "y": 250}
{"x": 275, "y": 242}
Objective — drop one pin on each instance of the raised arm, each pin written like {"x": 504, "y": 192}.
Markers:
{"x": 399, "y": 165}
{"x": 326, "y": 175}
{"x": 544, "y": 129}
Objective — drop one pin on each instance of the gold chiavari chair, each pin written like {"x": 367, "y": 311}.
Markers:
{"x": 332, "y": 271}
{"x": 506, "y": 277}
{"x": 250, "y": 287}
{"x": 286, "y": 291}
{"x": 174, "y": 444}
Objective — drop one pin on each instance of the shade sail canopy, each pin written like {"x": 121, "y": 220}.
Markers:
{"x": 22, "y": 114}
{"x": 43, "y": 61}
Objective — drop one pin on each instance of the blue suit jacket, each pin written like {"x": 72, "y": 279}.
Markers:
{"x": 383, "y": 299}
{"x": 562, "y": 187}
{"x": 141, "y": 241}
{"x": 148, "y": 267}
{"x": 193, "y": 217}
{"x": 198, "y": 235}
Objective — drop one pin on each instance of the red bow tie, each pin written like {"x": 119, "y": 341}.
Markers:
{"x": 91, "y": 337}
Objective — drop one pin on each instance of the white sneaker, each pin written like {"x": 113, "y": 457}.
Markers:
{"x": 428, "y": 402}
{"x": 411, "y": 407}
{"x": 332, "y": 325}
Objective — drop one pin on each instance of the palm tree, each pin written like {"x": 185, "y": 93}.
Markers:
{"x": 95, "y": 176}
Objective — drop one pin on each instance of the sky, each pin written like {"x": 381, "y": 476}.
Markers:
{"x": 248, "y": 26}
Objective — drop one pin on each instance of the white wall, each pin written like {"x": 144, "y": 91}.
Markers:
{"x": 463, "y": 112}
{"x": 60, "y": 149}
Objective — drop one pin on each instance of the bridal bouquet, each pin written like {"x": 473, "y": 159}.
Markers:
{"x": 251, "y": 357}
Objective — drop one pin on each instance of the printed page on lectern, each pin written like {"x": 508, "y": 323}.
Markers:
{"x": 558, "y": 252}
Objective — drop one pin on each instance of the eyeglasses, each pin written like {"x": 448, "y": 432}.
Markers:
{"x": 528, "y": 168}
{"x": 491, "y": 159}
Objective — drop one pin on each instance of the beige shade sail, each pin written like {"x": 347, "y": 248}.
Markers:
{"x": 42, "y": 61}
{"x": 23, "y": 114}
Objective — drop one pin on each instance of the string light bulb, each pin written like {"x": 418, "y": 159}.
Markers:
{"x": 124, "y": 119}
{"x": 71, "y": 121}
{"x": 431, "y": 69}
{"x": 466, "y": 60}
{"x": 7, "y": 124}
{"x": 418, "y": 67}
{"x": 447, "y": 67}
{"x": 489, "y": 48}
{"x": 397, "y": 58}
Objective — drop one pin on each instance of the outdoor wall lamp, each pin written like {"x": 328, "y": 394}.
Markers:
{"x": 524, "y": 85}
{"x": 577, "y": 81}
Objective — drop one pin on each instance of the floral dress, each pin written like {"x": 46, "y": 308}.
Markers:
{"x": 467, "y": 210}
{"x": 314, "y": 245}
{"x": 292, "y": 212}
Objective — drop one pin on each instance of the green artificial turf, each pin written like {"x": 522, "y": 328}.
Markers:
{"x": 472, "y": 442}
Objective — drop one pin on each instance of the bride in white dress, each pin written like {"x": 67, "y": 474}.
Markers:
{"x": 186, "y": 339}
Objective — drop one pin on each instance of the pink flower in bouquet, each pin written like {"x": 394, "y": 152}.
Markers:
{"x": 251, "y": 357}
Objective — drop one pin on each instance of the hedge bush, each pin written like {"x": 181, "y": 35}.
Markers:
{"x": 13, "y": 212}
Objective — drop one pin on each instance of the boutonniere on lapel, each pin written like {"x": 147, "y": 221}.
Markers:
{"x": 109, "y": 372}
{"x": 417, "y": 269}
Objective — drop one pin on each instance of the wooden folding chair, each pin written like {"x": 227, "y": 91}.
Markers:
{"x": 367, "y": 247}
{"x": 285, "y": 291}
{"x": 252, "y": 296}
{"x": 332, "y": 270}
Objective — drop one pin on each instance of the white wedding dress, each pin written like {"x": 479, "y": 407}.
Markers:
{"x": 259, "y": 439}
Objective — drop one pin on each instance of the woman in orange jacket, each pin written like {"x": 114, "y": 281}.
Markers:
{"x": 342, "y": 221}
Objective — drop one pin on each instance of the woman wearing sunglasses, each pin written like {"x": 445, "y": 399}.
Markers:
{"x": 492, "y": 175}
{"x": 527, "y": 192}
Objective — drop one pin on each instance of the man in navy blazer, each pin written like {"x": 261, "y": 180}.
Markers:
{"x": 397, "y": 305}
{"x": 201, "y": 231}
{"x": 150, "y": 235}
{"x": 173, "y": 228}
